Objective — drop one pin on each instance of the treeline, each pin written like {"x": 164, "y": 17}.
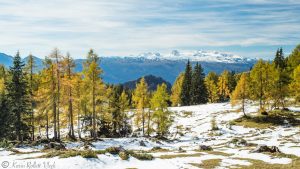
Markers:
{"x": 57, "y": 98}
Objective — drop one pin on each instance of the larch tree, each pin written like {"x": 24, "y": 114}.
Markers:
{"x": 263, "y": 79}
{"x": 293, "y": 60}
{"x": 186, "y": 86}
{"x": 211, "y": 81}
{"x": 241, "y": 92}
{"x": 223, "y": 86}
{"x": 68, "y": 83}
{"x": 93, "y": 82}
{"x": 78, "y": 88}
{"x": 295, "y": 84}
{"x": 124, "y": 107}
{"x": 176, "y": 90}
{"x": 56, "y": 65}
{"x": 18, "y": 98}
{"x": 159, "y": 105}
{"x": 140, "y": 99}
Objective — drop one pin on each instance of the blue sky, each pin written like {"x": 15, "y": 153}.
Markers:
{"x": 250, "y": 28}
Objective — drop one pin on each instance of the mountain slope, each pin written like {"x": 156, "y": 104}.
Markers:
{"x": 167, "y": 66}
{"x": 152, "y": 82}
{"x": 5, "y": 59}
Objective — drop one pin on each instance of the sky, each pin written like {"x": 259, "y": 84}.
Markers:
{"x": 250, "y": 28}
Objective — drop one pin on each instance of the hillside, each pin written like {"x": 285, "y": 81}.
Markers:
{"x": 152, "y": 82}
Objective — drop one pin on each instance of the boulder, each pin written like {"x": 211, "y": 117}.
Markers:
{"x": 55, "y": 145}
{"x": 181, "y": 150}
{"x": 264, "y": 148}
{"x": 205, "y": 148}
{"x": 142, "y": 143}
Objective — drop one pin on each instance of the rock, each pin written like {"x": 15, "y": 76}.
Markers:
{"x": 115, "y": 150}
{"x": 181, "y": 150}
{"x": 54, "y": 145}
{"x": 205, "y": 148}
{"x": 239, "y": 142}
{"x": 285, "y": 109}
{"x": 264, "y": 148}
{"x": 142, "y": 143}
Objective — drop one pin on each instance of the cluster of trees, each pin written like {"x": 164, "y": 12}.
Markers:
{"x": 33, "y": 102}
{"x": 192, "y": 87}
{"x": 272, "y": 83}
{"x": 57, "y": 97}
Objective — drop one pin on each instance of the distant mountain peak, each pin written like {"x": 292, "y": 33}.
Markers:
{"x": 198, "y": 55}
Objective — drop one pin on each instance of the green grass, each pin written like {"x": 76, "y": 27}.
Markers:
{"x": 181, "y": 155}
{"x": 141, "y": 156}
{"x": 208, "y": 164}
{"x": 258, "y": 164}
{"x": 275, "y": 118}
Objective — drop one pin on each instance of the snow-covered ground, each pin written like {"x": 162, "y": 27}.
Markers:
{"x": 191, "y": 128}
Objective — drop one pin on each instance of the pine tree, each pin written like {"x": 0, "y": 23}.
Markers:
{"x": 223, "y": 86}
{"x": 241, "y": 92}
{"x": 159, "y": 104}
{"x": 232, "y": 82}
{"x": 18, "y": 98}
{"x": 186, "y": 85}
{"x": 140, "y": 99}
{"x": 279, "y": 59}
{"x": 281, "y": 86}
{"x": 176, "y": 90}
{"x": 6, "y": 118}
{"x": 211, "y": 81}
{"x": 198, "y": 90}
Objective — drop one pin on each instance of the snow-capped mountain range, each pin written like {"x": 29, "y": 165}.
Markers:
{"x": 196, "y": 56}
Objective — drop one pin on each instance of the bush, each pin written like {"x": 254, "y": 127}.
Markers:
{"x": 89, "y": 154}
{"x": 5, "y": 144}
{"x": 124, "y": 155}
{"x": 214, "y": 124}
{"x": 142, "y": 156}
{"x": 114, "y": 150}
{"x": 70, "y": 153}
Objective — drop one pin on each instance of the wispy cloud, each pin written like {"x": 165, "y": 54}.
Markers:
{"x": 133, "y": 26}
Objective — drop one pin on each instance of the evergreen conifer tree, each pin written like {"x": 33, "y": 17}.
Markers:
{"x": 18, "y": 98}
{"x": 187, "y": 86}
{"x": 198, "y": 90}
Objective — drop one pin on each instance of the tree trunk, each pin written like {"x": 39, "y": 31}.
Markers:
{"x": 54, "y": 105}
{"x": 148, "y": 127}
